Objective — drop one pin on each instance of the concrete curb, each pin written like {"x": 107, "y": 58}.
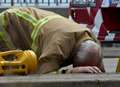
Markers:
{"x": 70, "y": 80}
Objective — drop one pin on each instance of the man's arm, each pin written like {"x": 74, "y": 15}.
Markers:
{"x": 47, "y": 65}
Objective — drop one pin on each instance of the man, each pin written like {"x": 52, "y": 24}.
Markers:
{"x": 53, "y": 38}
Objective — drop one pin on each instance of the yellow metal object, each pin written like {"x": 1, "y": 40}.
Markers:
{"x": 118, "y": 66}
{"x": 18, "y": 62}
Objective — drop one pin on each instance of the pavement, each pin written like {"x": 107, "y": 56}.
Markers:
{"x": 110, "y": 64}
{"x": 62, "y": 80}
{"x": 111, "y": 57}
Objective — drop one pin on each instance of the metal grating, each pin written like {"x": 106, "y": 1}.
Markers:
{"x": 37, "y": 3}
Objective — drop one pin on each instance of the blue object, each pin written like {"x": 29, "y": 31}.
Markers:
{"x": 110, "y": 2}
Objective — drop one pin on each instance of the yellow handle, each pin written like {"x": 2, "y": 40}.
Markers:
{"x": 24, "y": 62}
{"x": 10, "y": 52}
{"x": 118, "y": 66}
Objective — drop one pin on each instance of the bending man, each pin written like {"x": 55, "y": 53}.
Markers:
{"x": 55, "y": 40}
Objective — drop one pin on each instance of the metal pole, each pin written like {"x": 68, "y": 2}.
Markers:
{"x": 18, "y": 1}
{"x": 0, "y": 2}
{"x": 25, "y": 1}
{"x": 30, "y": 1}
{"x": 66, "y": 1}
{"x": 48, "y": 2}
{"x": 56, "y": 2}
{"x": 12, "y": 2}
{"x": 36, "y": 3}
{"x": 4, "y": 1}
{"x": 60, "y": 1}
{"x": 42, "y": 1}
{"x": 21, "y": 2}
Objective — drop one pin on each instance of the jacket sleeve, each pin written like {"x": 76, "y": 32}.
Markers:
{"x": 57, "y": 46}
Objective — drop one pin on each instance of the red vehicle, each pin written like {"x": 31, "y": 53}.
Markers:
{"x": 101, "y": 16}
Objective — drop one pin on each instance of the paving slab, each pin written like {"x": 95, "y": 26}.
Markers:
{"x": 61, "y": 80}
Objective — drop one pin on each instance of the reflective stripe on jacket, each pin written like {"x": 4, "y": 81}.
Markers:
{"x": 32, "y": 21}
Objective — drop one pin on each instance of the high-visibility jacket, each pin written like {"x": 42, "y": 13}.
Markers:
{"x": 51, "y": 36}
{"x": 18, "y": 23}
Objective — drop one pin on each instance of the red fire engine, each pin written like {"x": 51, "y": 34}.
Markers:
{"x": 101, "y": 16}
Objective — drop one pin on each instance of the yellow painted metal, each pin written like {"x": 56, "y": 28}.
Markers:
{"x": 22, "y": 62}
{"x": 118, "y": 66}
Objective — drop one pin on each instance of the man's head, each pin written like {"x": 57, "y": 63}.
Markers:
{"x": 88, "y": 53}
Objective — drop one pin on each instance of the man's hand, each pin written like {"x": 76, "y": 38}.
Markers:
{"x": 84, "y": 69}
